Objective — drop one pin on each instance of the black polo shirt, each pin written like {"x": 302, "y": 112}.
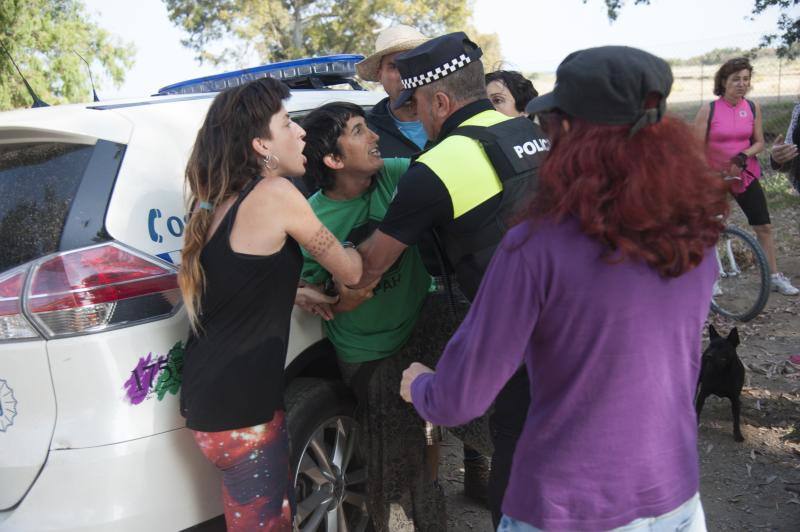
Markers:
{"x": 422, "y": 201}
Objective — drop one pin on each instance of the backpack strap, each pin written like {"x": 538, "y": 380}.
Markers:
{"x": 752, "y": 105}
{"x": 710, "y": 116}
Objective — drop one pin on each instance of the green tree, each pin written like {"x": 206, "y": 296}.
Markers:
{"x": 716, "y": 56}
{"x": 42, "y": 36}
{"x": 490, "y": 45}
{"x": 225, "y": 31}
{"x": 787, "y": 39}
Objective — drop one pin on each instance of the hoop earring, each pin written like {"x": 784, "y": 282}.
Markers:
{"x": 271, "y": 162}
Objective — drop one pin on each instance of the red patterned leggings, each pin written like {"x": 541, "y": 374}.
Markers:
{"x": 257, "y": 483}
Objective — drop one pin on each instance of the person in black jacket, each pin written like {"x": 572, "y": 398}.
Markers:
{"x": 402, "y": 135}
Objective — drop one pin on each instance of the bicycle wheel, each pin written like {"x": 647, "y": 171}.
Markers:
{"x": 743, "y": 287}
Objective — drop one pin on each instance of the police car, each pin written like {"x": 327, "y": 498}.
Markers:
{"x": 92, "y": 328}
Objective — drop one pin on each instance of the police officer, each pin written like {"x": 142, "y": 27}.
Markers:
{"x": 401, "y": 134}
{"x": 464, "y": 189}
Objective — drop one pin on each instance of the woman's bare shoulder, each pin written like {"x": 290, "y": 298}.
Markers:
{"x": 278, "y": 197}
{"x": 278, "y": 190}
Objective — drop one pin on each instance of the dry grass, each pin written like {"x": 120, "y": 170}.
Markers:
{"x": 776, "y": 86}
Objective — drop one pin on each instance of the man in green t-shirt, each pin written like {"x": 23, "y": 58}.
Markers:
{"x": 371, "y": 328}
{"x": 356, "y": 187}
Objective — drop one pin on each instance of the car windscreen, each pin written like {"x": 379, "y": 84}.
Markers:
{"x": 38, "y": 182}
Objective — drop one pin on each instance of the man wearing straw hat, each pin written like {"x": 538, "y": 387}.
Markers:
{"x": 403, "y": 135}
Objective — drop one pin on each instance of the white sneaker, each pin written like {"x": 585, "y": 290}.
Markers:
{"x": 717, "y": 289}
{"x": 780, "y": 283}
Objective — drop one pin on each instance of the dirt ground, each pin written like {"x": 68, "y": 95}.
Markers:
{"x": 753, "y": 485}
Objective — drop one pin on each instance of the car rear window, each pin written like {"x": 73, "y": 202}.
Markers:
{"x": 38, "y": 182}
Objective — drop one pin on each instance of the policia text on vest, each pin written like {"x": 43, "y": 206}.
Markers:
{"x": 532, "y": 147}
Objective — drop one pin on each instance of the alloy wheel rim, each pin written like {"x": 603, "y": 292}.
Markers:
{"x": 330, "y": 481}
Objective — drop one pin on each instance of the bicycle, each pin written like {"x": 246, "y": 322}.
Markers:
{"x": 743, "y": 287}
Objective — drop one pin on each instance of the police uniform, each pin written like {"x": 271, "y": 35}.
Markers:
{"x": 464, "y": 188}
{"x": 453, "y": 189}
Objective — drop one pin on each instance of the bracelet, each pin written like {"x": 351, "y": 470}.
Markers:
{"x": 347, "y": 244}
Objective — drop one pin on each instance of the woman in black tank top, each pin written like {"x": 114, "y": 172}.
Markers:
{"x": 239, "y": 275}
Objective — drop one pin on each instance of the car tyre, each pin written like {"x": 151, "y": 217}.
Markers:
{"x": 329, "y": 475}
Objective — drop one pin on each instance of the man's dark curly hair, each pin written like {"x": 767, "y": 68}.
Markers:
{"x": 518, "y": 85}
{"x": 323, "y": 128}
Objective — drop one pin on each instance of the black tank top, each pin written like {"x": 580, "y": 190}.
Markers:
{"x": 233, "y": 368}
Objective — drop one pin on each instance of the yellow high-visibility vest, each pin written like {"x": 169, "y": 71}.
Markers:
{"x": 463, "y": 166}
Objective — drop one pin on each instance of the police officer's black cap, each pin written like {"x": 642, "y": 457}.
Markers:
{"x": 608, "y": 85}
{"x": 432, "y": 61}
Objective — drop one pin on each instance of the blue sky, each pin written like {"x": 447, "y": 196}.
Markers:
{"x": 534, "y": 34}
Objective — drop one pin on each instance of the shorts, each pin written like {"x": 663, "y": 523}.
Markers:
{"x": 753, "y": 203}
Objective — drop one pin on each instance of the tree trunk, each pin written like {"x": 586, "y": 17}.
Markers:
{"x": 297, "y": 29}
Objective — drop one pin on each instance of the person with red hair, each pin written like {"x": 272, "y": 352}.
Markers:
{"x": 602, "y": 291}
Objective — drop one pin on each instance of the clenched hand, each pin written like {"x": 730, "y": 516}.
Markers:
{"x": 412, "y": 372}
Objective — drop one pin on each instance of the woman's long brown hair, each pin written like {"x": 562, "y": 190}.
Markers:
{"x": 221, "y": 163}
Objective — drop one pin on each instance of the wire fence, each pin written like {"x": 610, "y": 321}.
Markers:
{"x": 775, "y": 86}
{"x": 775, "y": 82}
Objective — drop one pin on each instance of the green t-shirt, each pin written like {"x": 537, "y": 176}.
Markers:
{"x": 381, "y": 325}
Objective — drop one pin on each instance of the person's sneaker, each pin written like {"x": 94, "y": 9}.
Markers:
{"x": 780, "y": 283}
{"x": 476, "y": 479}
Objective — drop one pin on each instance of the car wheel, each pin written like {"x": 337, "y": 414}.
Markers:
{"x": 329, "y": 476}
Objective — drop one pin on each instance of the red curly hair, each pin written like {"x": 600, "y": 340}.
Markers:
{"x": 648, "y": 197}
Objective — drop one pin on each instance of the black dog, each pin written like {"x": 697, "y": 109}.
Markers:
{"x": 722, "y": 374}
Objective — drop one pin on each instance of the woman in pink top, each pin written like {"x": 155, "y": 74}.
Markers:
{"x": 734, "y": 136}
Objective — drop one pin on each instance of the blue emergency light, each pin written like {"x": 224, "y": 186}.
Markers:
{"x": 307, "y": 73}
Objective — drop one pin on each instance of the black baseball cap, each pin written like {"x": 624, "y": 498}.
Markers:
{"x": 433, "y": 60}
{"x": 608, "y": 85}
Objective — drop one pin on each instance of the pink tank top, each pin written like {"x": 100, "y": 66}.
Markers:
{"x": 729, "y": 133}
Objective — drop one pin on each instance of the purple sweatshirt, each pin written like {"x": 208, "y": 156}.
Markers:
{"x": 613, "y": 355}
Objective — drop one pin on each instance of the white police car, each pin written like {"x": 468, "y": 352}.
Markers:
{"x": 91, "y": 323}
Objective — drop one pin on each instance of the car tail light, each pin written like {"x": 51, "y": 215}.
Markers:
{"x": 99, "y": 288}
{"x": 13, "y": 325}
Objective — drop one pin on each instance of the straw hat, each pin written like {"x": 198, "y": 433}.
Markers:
{"x": 393, "y": 39}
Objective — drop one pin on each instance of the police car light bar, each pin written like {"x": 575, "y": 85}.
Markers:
{"x": 316, "y": 72}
